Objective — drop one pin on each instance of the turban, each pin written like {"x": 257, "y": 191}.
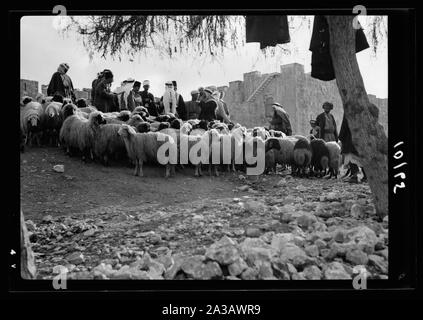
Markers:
{"x": 327, "y": 104}
{"x": 194, "y": 92}
{"x": 64, "y": 66}
{"x": 146, "y": 83}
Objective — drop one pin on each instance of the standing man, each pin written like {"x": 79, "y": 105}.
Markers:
{"x": 327, "y": 124}
{"x": 221, "y": 114}
{"x": 61, "y": 83}
{"x": 123, "y": 92}
{"x": 104, "y": 100}
{"x": 193, "y": 107}
{"x": 134, "y": 98}
{"x": 168, "y": 100}
{"x": 180, "y": 104}
{"x": 208, "y": 109}
{"x": 280, "y": 120}
{"x": 148, "y": 99}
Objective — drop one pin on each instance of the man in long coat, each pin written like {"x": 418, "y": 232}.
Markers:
{"x": 61, "y": 83}
{"x": 280, "y": 120}
{"x": 327, "y": 124}
{"x": 105, "y": 101}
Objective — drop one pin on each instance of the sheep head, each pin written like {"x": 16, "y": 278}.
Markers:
{"x": 125, "y": 131}
{"x": 272, "y": 143}
{"x": 186, "y": 128}
{"x": 96, "y": 118}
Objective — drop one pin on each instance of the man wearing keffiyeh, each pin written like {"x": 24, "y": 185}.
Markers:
{"x": 61, "y": 83}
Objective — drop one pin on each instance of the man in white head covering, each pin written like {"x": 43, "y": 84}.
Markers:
{"x": 123, "y": 92}
{"x": 148, "y": 99}
{"x": 61, "y": 83}
{"x": 168, "y": 100}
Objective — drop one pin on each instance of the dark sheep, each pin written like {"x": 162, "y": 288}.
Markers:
{"x": 201, "y": 125}
{"x": 81, "y": 103}
{"x": 163, "y": 118}
{"x": 68, "y": 110}
{"x": 176, "y": 124}
{"x": 320, "y": 157}
{"x": 302, "y": 155}
{"x": 124, "y": 115}
{"x": 163, "y": 125}
{"x": 143, "y": 127}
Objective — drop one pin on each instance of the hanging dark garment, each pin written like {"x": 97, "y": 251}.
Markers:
{"x": 321, "y": 60}
{"x": 268, "y": 30}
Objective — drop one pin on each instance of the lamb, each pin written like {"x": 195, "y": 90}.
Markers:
{"x": 143, "y": 147}
{"x": 52, "y": 122}
{"x": 302, "y": 155}
{"x": 320, "y": 157}
{"x": 31, "y": 122}
{"x": 108, "y": 142}
{"x": 334, "y": 158}
{"x": 78, "y": 133}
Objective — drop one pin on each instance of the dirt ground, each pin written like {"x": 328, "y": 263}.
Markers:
{"x": 85, "y": 186}
{"x": 108, "y": 215}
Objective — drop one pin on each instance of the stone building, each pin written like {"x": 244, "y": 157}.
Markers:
{"x": 29, "y": 88}
{"x": 250, "y": 101}
{"x": 44, "y": 88}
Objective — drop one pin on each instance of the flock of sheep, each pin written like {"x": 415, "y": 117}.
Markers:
{"x": 136, "y": 136}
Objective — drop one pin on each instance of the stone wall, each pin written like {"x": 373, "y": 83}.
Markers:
{"x": 301, "y": 95}
{"x": 29, "y": 88}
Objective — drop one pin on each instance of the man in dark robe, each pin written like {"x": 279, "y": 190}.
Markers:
{"x": 180, "y": 104}
{"x": 134, "y": 98}
{"x": 61, "y": 83}
{"x": 327, "y": 124}
{"x": 148, "y": 99}
{"x": 209, "y": 106}
{"x": 280, "y": 120}
{"x": 105, "y": 101}
{"x": 193, "y": 107}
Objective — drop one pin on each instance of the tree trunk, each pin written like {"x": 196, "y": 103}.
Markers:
{"x": 367, "y": 135}
{"x": 27, "y": 257}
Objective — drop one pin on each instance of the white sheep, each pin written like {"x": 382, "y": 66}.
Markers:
{"x": 143, "y": 147}
{"x": 31, "y": 122}
{"x": 78, "y": 133}
{"x": 334, "y": 158}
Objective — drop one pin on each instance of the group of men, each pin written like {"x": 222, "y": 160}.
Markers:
{"x": 206, "y": 104}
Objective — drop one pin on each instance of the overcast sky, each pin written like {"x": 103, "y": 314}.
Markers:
{"x": 43, "y": 48}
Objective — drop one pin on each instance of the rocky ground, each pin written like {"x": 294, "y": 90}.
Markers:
{"x": 104, "y": 223}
